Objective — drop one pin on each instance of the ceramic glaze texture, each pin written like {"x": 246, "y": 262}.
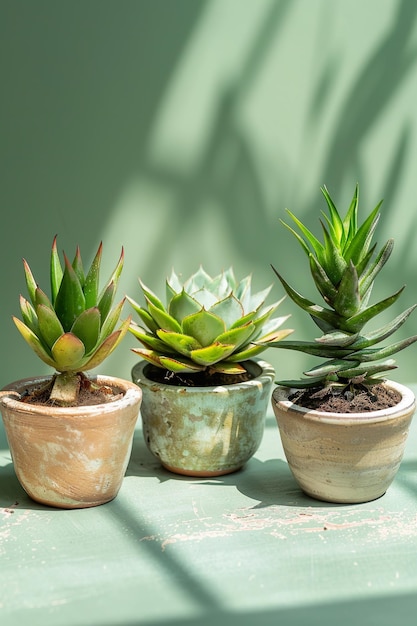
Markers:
{"x": 71, "y": 457}
{"x": 342, "y": 457}
{"x": 205, "y": 431}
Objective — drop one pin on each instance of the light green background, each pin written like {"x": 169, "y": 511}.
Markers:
{"x": 182, "y": 129}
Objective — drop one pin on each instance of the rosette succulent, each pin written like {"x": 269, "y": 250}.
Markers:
{"x": 343, "y": 268}
{"x": 75, "y": 329}
{"x": 208, "y": 324}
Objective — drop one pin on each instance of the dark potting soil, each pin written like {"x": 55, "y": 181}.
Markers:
{"x": 350, "y": 400}
{"x": 197, "y": 379}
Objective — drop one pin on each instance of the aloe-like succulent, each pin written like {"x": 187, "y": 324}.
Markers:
{"x": 343, "y": 268}
{"x": 208, "y": 324}
{"x": 75, "y": 329}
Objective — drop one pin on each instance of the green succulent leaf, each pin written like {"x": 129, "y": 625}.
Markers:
{"x": 87, "y": 328}
{"x": 181, "y": 305}
{"x": 77, "y": 266}
{"x": 50, "y": 328}
{"x": 184, "y": 344}
{"x": 29, "y": 316}
{"x": 229, "y": 310}
{"x": 107, "y": 347}
{"x": 144, "y": 315}
{"x": 91, "y": 283}
{"x": 212, "y": 354}
{"x": 358, "y": 321}
{"x": 360, "y": 243}
{"x": 335, "y": 366}
{"x": 67, "y": 352}
{"x": 237, "y": 336}
{"x": 347, "y": 301}
{"x": 368, "y": 369}
{"x": 164, "y": 320}
{"x": 56, "y": 271}
{"x": 371, "y": 338}
{"x": 70, "y": 300}
{"x": 149, "y": 341}
{"x": 204, "y": 326}
{"x": 33, "y": 341}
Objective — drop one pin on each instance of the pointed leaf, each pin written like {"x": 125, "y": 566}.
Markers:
{"x": 115, "y": 277}
{"x": 368, "y": 278}
{"x": 382, "y": 353}
{"x": 77, "y": 265}
{"x": 107, "y": 347}
{"x": 29, "y": 316}
{"x": 332, "y": 367}
{"x": 184, "y": 344}
{"x": 211, "y": 354}
{"x": 50, "y": 328}
{"x": 106, "y": 300}
{"x": 368, "y": 369}
{"x": 347, "y": 301}
{"x": 382, "y": 333}
{"x": 182, "y": 305}
{"x": 55, "y": 271}
{"x": 237, "y": 336}
{"x": 91, "y": 283}
{"x": 151, "y": 297}
{"x": 204, "y": 326}
{"x": 33, "y": 341}
{"x": 163, "y": 319}
{"x": 150, "y": 342}
{"x": 355, "y": 323}
{"x": 70, "y": 301}
{"x": 229, "y": 310}
{"x": 313, "y": 309}
{"x": 360, "y": 243}
{"x": 144, "y": 315}
{"x": 87, "y": 328}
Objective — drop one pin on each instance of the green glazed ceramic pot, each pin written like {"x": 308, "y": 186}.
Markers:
{"x": 205, "y": 431}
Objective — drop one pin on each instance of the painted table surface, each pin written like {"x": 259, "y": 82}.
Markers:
{"x": 245, "y": 549}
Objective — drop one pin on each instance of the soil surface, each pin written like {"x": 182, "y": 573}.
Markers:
{"x": 351, "y": 399}
{"x": 90, "y": 394}
{"x": 197, "y": 379}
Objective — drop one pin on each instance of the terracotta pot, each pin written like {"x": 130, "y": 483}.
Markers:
{"x": 343, "y": 457}
{"x": 205, "y": 431}
{"x": 70, "y": 457}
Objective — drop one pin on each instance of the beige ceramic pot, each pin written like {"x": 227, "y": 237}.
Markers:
{"x": 343, "y": 457}
{"x": 70, "y": 457}
{"x": 205, "y": 431}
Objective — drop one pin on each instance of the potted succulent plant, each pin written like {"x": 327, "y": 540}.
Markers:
{"x": 344, "y": 426}
{"x": 205, "y": 391}
{"x": 70, "y": 435}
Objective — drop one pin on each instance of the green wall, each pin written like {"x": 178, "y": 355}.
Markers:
{"x": 182, "y": 129}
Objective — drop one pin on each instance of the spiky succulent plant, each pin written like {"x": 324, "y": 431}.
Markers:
{"x": 343, "y": 268}
{"x": 75, "y": 329}
{"x": 209, "y": 323}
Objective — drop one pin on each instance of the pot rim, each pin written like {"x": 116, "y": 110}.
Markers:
{"x": 267, "y": 375}
{"x": 10, "y": 394}
{"x": 407, "y": 404}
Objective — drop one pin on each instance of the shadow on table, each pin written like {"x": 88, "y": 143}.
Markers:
{"x": 266, "y": 482}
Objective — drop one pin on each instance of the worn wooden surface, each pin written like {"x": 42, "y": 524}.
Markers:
{"x": 245, "y": 549}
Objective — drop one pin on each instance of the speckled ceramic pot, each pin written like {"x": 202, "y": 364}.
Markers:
{"x": 70, "y": 457}
{"x": 205, "y": 431}
{"x": 343, "y": 457}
